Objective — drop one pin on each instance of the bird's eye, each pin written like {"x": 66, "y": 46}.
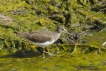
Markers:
{"x": 62, "y": 29}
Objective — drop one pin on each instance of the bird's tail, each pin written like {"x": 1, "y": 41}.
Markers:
{"x": 21, "y": 34}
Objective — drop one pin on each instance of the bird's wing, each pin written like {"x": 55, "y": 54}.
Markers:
{"x": 38, "y": 37}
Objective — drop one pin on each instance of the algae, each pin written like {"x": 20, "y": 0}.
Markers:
{"x": 75, "y": 52}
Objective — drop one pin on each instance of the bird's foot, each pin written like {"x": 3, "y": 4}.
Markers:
{"x": 51, "y": 54}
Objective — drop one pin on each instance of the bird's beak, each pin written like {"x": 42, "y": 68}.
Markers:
{"x": 68, "y": 33}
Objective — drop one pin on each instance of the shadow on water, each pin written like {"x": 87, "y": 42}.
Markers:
{"x": 23, "y": 54}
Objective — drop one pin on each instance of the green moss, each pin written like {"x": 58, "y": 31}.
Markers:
{"x": 31, "y": 15}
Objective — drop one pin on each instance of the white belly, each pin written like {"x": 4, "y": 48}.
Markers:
{"x": 45, "y": 43}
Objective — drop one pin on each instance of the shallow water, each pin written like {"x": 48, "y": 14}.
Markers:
{"x": 64, "y": 61}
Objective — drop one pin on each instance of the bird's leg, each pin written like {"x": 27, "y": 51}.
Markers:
{"x": 44, "y": 52}
{"x": 47, "y": 51}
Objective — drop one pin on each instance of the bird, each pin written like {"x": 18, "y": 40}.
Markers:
{"x": 43, "y": 37}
